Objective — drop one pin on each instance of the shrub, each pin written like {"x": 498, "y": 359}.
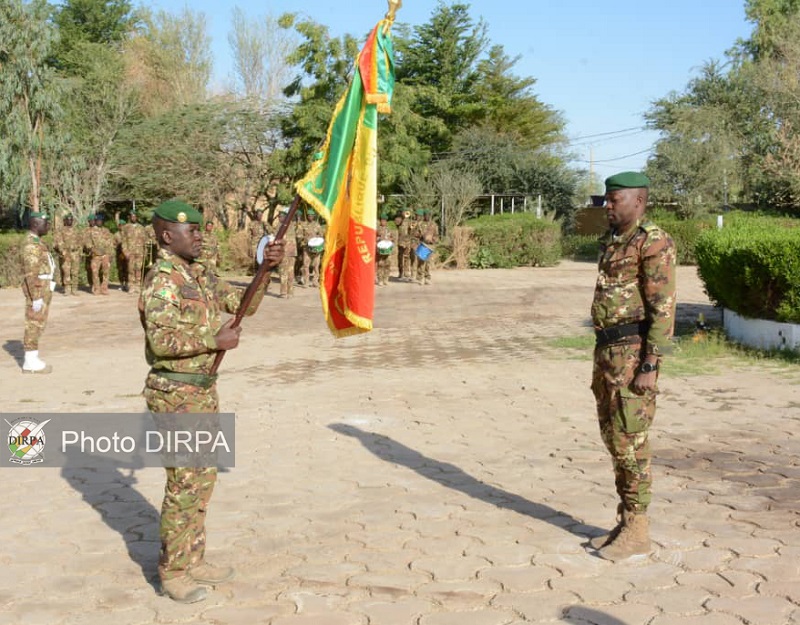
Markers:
{"x": 10, "y": 259}
{"x": 515, "y": 241}
{"x": 584, "y": 247}
{"x": 752, "y": 266}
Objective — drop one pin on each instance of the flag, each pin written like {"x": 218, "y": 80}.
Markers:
{"x": 342, "y": 186}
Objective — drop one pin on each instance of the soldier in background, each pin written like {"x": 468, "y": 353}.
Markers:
{"x": 134, "y": 242}
{"x": 180, "y": 345}
{"x": 413, "y": 235}
{"x": 286, "y": 271}
{"x": 307, "y": 232}
{"x": 383, "y": 251}
{"x": 38, "y": 286}
{"x": 403, "y": 245}
{"x": 119, "y": 256}
{"x": 68, "y": 242}
{"x": 209, "y": 254}
{"x": 100, "y": 244}
{"x": 255, "y": 230}
{"x": 633, "y": 313}
{"x": 429, "y": 235}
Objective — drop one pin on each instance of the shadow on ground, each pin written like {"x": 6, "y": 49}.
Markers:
{"x": 15, "y": 350}
{"x": 578, "y": 615}
{"x": 453, "y": 477}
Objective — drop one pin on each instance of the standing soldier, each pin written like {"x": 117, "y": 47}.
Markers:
{"x": 38, "y": 286}
{"x": 68, "y": 242}
{"x": 134, "y": 242}
{"x": 633, "y": 313}
{"x": 119, "y": 256}
{"x": 384, "y": 245}
{"x": 209, "y": 254}
{"x": 429, "y": 236}
{"x": 100, "y": 243}
{"x": 289, "y": 257}
{"x": 180, "y": 310}
{"x": 255, "y": 231}
{"x": 413, "y": 236}
{"x": 311, "y": 239}
{"x": 403, "y": 245}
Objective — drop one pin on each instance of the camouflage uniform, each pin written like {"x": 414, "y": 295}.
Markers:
{"x": 306, "y": 231}
{"x": 210, "y": 253}
{"x": 429, "y": 235}
{"x": 286, "y": 268}
{"x": 413, "y": 242}
{"x": 39, "y": 266}
{"x": 383, "y": 233}
{"x": 101, "y": 244}
{"x": 404, "y": 249}
{"x": 180, "y": 310}
{"x": 68, "y": 242}
{"x": 255, "y": 231}
{"x": 134, "y": 242}
{"x": 636, "y": 283}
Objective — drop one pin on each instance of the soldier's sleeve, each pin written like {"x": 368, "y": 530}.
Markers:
{"x": 173, "y": 330}
{"x": 32, "y": 261}
{"x": 658, "y": 264}
{"x": 229, "y": 296}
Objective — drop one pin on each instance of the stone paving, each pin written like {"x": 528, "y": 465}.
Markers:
{"x": 444, "y": 469}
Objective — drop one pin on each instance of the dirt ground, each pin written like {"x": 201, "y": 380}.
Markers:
{"x": 443, "y": 469}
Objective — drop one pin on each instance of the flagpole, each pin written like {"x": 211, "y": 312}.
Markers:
{"x": 261, "y": 275}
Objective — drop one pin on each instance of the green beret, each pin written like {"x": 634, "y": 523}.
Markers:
{"x": 384, "y": 216}
{"x": 311, "y": 212}
{"x": 38, "y": 215}
{"x": 627, "y": 180}
{"x": 178, "y": 212}
{"x": 122, "y": 222}
{"x": 420, "y": 211}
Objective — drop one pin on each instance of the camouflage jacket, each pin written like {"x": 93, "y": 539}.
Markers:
{"x": 429, "y": 232}
{"x": 290, "y": 247}
{"x": 68, "y": 240}
{"x": 38, "y": 265}
{"x": 636, "y": 282}
{"x": 99, "y": 241}
{"x": 133, "y": 238}
{"x": 210, "y": 249}
{"x": 413, "y": 232}
{"x": 404, "y": 233}
{"x": 384, "y": 233}
{"x": 180, "y": 309}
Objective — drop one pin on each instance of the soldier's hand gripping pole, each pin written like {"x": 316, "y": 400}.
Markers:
{"x": 261, "y": 276}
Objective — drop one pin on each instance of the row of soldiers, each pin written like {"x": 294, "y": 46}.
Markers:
{"x": 101, "y": 246}
{"x": 415, "y": 236}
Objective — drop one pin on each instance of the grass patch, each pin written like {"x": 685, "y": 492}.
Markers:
{"x": 695, "y": 354}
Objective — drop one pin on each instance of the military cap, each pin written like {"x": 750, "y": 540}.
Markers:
{"x": 420, "y": 211}
{"x": 311, "y": 211}
{"x": 122, "y": 222}
{"x": 627, "y": 180}
{"x": 178, "y": 212}
{"x": 38, "y": 215}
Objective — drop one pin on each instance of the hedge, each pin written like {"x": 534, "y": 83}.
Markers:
{"x": 515, "y": 240}
{"x": 752, "y": 266}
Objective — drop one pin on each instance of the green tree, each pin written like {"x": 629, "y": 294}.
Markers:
{"x": 28, "y": 100}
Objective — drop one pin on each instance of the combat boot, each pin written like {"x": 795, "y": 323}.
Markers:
{"x": 632, "y": 540}
{"x": 205, "y": 573}
{"x": 32, "y": 363}
{"x": 183, "y": 590}
{"x": 598, "y": 542}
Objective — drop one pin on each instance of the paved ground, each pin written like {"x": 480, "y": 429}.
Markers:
{"x": 445, "y": 469}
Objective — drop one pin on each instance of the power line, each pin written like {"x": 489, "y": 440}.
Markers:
{"x": 616, "y": 158}
{"x": 612, "y": 132}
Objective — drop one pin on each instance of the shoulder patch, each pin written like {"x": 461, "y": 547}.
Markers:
{"x": 649, "y": 226}
{"x": 168, "y": 295}
{"x": 165, "y": 266}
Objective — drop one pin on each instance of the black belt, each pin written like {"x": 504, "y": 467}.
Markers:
{"x": 614, "y": 334}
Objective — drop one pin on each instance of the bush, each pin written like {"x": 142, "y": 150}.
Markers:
{"x": 10, "y": 259}
{"x": 684, "y": 232}
{"x": 519, "y": 240}
{"x": 752, "y": 266}
{"x": 584, "y": 247}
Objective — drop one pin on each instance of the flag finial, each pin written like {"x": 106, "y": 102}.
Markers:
{"x": 393, "y": 6}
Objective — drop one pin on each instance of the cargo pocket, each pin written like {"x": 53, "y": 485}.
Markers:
{"x": 636, "y": 411}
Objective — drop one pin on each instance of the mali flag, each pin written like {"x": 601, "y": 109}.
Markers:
{"x": 342, "y": 186}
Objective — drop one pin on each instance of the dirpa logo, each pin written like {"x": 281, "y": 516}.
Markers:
{"x": 26, "y": 441}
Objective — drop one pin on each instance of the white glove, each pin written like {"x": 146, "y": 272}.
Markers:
{"x": 37, "y": 305}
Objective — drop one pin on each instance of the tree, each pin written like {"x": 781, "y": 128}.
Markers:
{"x": 260, "y": 52}
{"x": 28, "y": 100}
{"x": 445, "y": 190}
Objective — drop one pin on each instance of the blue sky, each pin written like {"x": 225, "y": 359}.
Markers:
{"x": 600, "y": 63}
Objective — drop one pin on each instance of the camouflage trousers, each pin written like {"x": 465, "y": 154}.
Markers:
{"x": 403, "y": 261}
{"x": 310, "y": 268}
{"x": 423, "y": 270}
{"x": 188, "y": 490}
{"x": 412, "y": 261}
{"x": 286, "y": 272}
{"x": 383, "y": 262}
{"x": 135, "y": 266}
{"x": 71, "y": 271}
{"x": 100, "y": 267}
{"x": 35, "y": 322}
{"x": 625, "y": 418}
